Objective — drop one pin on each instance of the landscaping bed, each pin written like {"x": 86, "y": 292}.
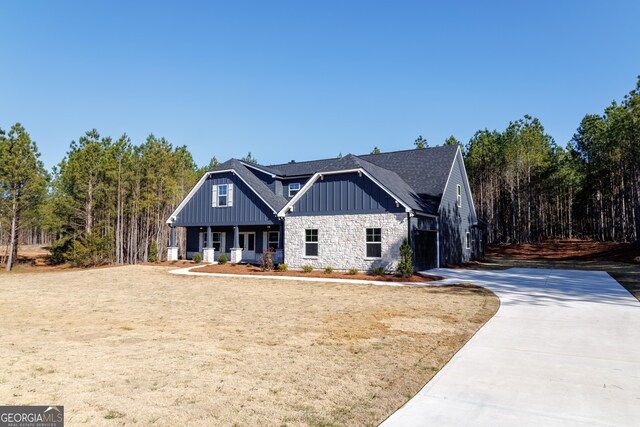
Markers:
{"x": 255, "y": 270}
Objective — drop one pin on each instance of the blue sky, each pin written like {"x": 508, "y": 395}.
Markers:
{"x": 302, "y": 80}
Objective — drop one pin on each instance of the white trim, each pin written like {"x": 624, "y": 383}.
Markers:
{"x": 467, "y": 241}
{"x": 314, "y": 178}
{"x": 466, "y": 178}
{"x": 195, "y": 188}
{"x": 459, "y": 195}
{"x": 251, "y": 165}
{"x": 193, "y": 191}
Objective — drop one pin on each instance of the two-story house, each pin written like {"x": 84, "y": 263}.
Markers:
{"x": 347, "y": 212}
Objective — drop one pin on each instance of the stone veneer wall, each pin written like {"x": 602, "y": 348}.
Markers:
{"x": 341, "y": 240}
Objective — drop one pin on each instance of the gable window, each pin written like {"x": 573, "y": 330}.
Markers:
{"x": 273, "y": 240}
{"x": 459, "y": 195}
{"x": 374, "y": 242}
{"x": 294, "y": 188}
{"x": 222, "y": 195}
{"x": 311, "y": 242}
{"x": 467, "y": 241}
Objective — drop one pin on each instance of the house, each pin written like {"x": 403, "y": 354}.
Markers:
{"x": 347, "y": 212}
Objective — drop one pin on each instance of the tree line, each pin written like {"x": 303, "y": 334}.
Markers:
{"x": 108, "y": 199}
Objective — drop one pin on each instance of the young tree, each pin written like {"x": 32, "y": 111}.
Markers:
{"x": 22, "y": 180}
{"x": 250, "y": 159}
{"x": 375, "y": 150}
{"x": 420, "y": 142}
{"x": 451, "y": 140}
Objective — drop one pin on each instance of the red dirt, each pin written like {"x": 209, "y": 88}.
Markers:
{"x": 579, "y": 250}
{"x": 254, "y": 270}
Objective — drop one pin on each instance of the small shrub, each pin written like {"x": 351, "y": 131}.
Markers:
{"x": 266, "y": 260}
{"x": 405, "y": 266}
{"x": 328, "y": 270}
{"x": 90, "y": 250}
{"x": 282, "y": 267}
{"x": 307, "y": 268}
{"x": 197, "y": 257}
{"x": 352, "y": 271}
{"x": 222, "y": 259}
{"x": 377, "y": 271}
{"x": 153, "y": 252}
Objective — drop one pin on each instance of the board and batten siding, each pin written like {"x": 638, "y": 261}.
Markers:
{"x": 247, "y": 207}
{"x": 455, "y": 221}
{"x": 347, "y": 193}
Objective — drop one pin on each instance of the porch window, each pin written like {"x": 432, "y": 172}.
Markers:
{"x": 311, "y": 242}
{"x": 459, "y": 195}
{"x": 216, "y": 239}
{"x": 374, "y": 242}
{"x": 222, "y": 195}
{"x": 273, "y": 240}
{"x": 467, "y": 240}
{"x": 294, "y": 188}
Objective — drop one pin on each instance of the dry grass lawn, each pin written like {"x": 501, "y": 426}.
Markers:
{"x": 136, "y": 345}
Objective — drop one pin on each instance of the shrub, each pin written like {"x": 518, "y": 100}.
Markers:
{"x": 377, "y": 271}
{"x": 222, "y": 259}
{"x": 328, "y": 270}
{"x": 282, "y": 267}
{"x": 307, "y": 268}
{"x": 90, "y": 250}
{"x": 266, "y": 260}
{"x": 405, "y": 266}
{"x": 153, "y": 252}
{"x": 59, "y": 250}
{"x": 352, "y": 271}
{"x": 197, "y": 257}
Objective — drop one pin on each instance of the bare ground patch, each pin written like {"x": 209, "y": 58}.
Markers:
{"x": 136, "y": 345}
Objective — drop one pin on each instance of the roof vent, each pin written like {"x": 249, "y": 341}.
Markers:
{"x": 292, "y": 161}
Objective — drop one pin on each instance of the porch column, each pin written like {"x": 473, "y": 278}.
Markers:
{"x": 208, "y": 253}
{"x": 172, "y": 250}
{"x": 236, "y": 250}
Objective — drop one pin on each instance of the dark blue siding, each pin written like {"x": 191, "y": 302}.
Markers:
{"x": 344, "y": 194}
{"x": 286, "y": 182}
{"x": 455, "y": 221}
{"x": 247, "y": 207}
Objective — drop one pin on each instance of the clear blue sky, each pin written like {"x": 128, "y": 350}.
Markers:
{"x": 295, "y": 80}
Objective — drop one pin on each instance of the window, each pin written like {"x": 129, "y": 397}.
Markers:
{"x": 374, "y": 243}
{"x": 273, "y": 240}
{"x": 467, "y": 240}
{"x": 222, "y": 195}
{"x": 216, "y": 239}
{"x": 294, "y": 188}
{"x": 459, "y": 195}
{"x": 311, "y": 242}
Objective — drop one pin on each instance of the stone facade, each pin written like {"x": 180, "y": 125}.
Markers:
{"x": 172, "y": 253}
{"x": 342, "y": 240}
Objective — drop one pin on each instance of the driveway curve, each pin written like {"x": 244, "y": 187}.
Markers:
{"x": 562, "y": 350}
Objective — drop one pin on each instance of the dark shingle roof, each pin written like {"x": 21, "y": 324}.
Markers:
{"x": 417, "y": 177}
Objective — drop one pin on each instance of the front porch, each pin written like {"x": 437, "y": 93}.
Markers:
{"x": 244, "y": 243}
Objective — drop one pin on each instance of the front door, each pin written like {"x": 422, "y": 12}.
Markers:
{"x": 248, "y": 245}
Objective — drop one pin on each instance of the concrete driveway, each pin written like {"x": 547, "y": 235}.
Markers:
{"x": 562, "y": 350}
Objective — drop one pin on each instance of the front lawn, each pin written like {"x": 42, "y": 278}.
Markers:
{"x": 136, "y": 345}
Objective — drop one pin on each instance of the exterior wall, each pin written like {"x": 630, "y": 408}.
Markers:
{"x": 455, "y": 221}
{"x": 193, "y": 239}
{"x": 247, "y": 207}
{"x": 343, "y": 194}
{"x": 284, "y": 189}
{"x": 341, "y": 240}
